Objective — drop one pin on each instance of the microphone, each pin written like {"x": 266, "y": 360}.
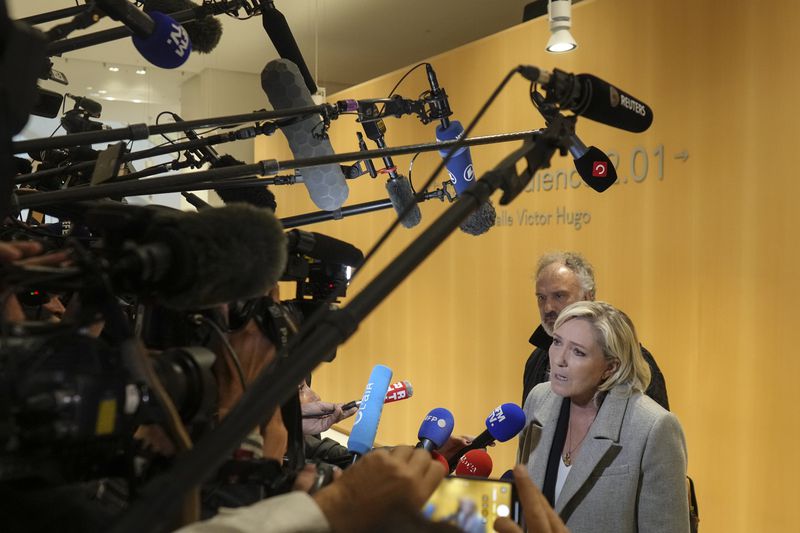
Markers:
{"x": 439, "y": 457}
{"x": 435, "y": 429}
{"x": 362, "y": 436}
{"x": 167, "y": 46}
{"x": 204, "y": 33}
{"x": 593, "y": 165}
{"x": 401, "y": 390}
{"x": 589, "y": 96}
{"x": 462, "y": 173}
{"x": 502, "y": 424}
{"x": 474, "y": 463}
{"x": 508, "y": 475}
{"x": 191, "y": 260}
{"x": 284, "y": 87}
{"x": 282, "y": 39}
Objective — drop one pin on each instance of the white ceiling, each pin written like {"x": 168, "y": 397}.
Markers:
{"x": 344, "y": 42}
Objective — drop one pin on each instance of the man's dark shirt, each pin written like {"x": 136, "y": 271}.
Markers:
{"x": 538, "y": 365}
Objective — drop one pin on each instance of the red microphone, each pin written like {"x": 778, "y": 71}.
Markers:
{"x": 439, "y": 457}
{"x": 396, "y": 392}
{"x": 474, "y": 463}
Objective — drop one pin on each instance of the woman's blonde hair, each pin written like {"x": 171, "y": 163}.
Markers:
{"x": 617, "y": 337}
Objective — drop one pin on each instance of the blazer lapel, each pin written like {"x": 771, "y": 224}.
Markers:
{"x": 603, "y": 436}
{"x": 540, "y": 432}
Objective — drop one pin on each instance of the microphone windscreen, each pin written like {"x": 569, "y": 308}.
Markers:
{"x": 368, "y": 416}
{"x": 437, "y": 427}
{"x": 221, "y": 255}
{"x": 256, "y": 195}
{"x": 596, "y": 169}
{"x": 284, "y": 87}
{"x": 402, "y": 196}
{"x": 204, "y": 33}
{"x": 474, "y": 463}
{"x": 480, "y": 220}
{"x": 612, "y": 106}
{"x": 401, "y": 390}
{"x": 168, "y": 47}
{"x": 505, "y": 422}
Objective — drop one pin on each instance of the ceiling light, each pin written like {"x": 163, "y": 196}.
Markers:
{"x": 113, "y": 69}
{"x": 560, "y": 16}
{"x": 141, "y": 71}
{"x": 136, "y": 101}
{"x": 102, "y": 91}
{"x": 110, "y": 98}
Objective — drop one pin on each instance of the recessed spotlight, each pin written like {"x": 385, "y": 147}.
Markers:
{"x": 113, "y": 69}
{"x": 110, "y": 98}
{"x": 136, "y": 101}
{"x": 89, "y": 88}
{"x": 141, "y": 71}
{"x": 101, "y": 91}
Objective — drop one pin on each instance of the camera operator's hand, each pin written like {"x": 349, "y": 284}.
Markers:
{"x": 381, "y": 482}
{"x": 320, "y": 416}
{"x": 539, "y": 516}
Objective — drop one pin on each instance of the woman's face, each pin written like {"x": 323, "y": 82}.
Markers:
{"x": 577, "y": 362}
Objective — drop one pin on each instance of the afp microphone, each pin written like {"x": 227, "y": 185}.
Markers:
{"x": 474, "y": 463}
{"x": 435, "y": 429}
{"x": 285, "y": 89}
{"x": 502, "y": 424}
{"x": 362, "y": 436}
{"x": 589, "y": 96}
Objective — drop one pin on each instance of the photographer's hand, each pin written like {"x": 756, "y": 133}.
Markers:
{"x": 381, "y": 482}
{"x": 539, "y": 516}
{"x": 320, "y": 416}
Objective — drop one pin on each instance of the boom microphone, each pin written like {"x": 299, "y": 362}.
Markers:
{"x": 435, "y": 429}
{"x": 589, "y": 96}
{"x": 282, "y": 39}
{"x": 474, "y": 463}
{"x": 283, "y": 84}
{"x": 194, "y": 260}
{"x": 502, "y": 424}
{"x": 459, "y": 167}
{"x": 362, "y": 436}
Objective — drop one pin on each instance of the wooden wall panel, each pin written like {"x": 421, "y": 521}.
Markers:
{"x": 701, "y": 252}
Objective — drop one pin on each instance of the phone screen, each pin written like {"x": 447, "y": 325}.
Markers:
{"x": 471, "y": 504}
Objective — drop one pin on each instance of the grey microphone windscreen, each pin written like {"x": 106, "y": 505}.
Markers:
{"x": 285, "y": 89}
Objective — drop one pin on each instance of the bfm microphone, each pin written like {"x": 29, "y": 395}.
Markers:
{"x": 589, "y": 96}
{"x": 204, "y": 33}
{"x": 474, "y": 463}
{"x": 285, "y": 89}
{"x": 502, "y": 424}
{"x": 362, "y": 436}
{"x": 168, "y": 46}
{"x": 462, "y": 173}
{"x": 189, "y": 260}
{"x": 402, "y": 390}
{"x": 435, "y": 429}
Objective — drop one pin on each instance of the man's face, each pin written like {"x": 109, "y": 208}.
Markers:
{"x": 556, "y": 287}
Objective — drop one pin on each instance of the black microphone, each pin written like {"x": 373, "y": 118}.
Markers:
{"x": 593, "y": 165}
{"x": 205, "y": 32}
{"x": 589, "y": 96}
{"x": 282, "y": 39}
{"x": 123, "y": 11}
{"x": 189, "y": 260}
{"x": 284, "y": 88}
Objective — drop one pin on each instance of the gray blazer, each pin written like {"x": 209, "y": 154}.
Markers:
{"x": 630, "y": 473}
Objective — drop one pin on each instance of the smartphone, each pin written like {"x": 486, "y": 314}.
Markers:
{"x": 472, "y": 504}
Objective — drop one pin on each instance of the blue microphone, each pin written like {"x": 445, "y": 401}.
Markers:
{"x": 168, "y": 46}
{"x": 435, "y": 429}
{"x": 503, "y": 423}
{"x": 365, "y": 427}
{"x": 459, "y": 166}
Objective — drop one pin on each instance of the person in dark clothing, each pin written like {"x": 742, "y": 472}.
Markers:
{"x": 563, "y": 278}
